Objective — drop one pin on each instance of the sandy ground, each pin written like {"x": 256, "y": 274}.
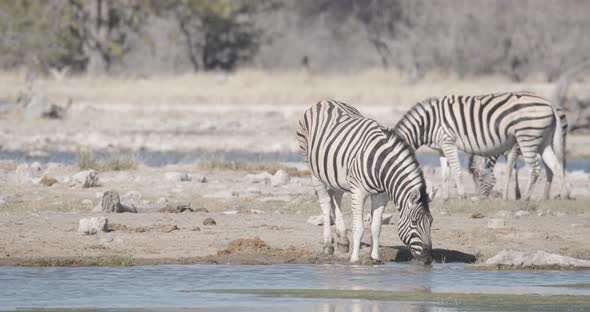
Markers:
{"x": 38, "y": 221}
{"x": 172, "y": 115}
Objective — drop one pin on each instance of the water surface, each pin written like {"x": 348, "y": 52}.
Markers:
{"x": 181, "y": 286}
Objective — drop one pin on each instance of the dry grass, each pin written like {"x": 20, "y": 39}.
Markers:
{"x": 261, "y": 87}
{"x": 250, "y": 166}
{"x": 87, "y": 160}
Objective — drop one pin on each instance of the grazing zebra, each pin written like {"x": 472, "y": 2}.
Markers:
{"x": 347, "y": 152}
{"x": 482, "y": 168}
{"x": 489, "y": 125}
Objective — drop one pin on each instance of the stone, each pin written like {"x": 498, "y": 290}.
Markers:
{"x": 316, "y": 220}
{"x": 263, "y": 177}
{"x": 496, "y": 223}
{"x": 202, "y": 210}
{"x": 132, "y": 195}
{"x": 178, "y": 176}
{"x": 255, "y": 211}
{"x": 209, "y": 221}
{"x": 538, "y": 258}
{"x": 230, "y": 212}
{"x": 281, "y": 177}
{"x": 196, "y": 229}
{"x": 111, "y": 203}
{"x": 87, "y": 202}
{"x": 91, "y": 226}
{"x": 477, "y": 215}
{"x": 85, "y": 179}
{"x": 168, "y": 209}
{"x": 41, "y": 107}
{"x": 47, "y": 181}
{"x": 522, "y": 213}
{"x": 25, "y": 173}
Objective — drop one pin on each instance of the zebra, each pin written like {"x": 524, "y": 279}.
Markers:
{"x": 347, "y": 152}
{"x": 489, "y": 125}
{"x": 482, "y": 168}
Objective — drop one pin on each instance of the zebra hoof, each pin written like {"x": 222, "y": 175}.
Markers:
{"x": 343, "y": 246}
{"x": 329, "y": 250}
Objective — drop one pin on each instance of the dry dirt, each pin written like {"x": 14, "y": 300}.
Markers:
{"x": 257, "y": 223}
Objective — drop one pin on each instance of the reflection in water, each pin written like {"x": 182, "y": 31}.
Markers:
{"x": 181, "y": 286}
{"x": 378, "y": 306}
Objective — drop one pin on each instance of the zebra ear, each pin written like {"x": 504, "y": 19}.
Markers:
{"x": 415, "y": 196}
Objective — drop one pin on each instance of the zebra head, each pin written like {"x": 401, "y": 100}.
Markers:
{"x": 414, "y": 225}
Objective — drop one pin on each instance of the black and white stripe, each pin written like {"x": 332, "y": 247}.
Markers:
{"x": 347, "y": 152}
{"x": 490, "y": 125}
{"x": 482, "y": 168}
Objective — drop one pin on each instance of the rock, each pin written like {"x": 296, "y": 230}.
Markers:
{"x": 539, "y": 258}
{"x": 255, "y": 211}
{"x": 230, "y": 212}
{"x": 87, "y": 202}
{"x": 521, "y": 213}
{"x": 178, "y": 176}
{"x": 477, "y": 215}
{"x": 41, "y": 107}
{"x": 184, "y": 208}
{"x": 316, "y": 220}
{"x": 263, "y": 177}
{"x": 132, "y": 195}
{"x": 26, "y": 173}
{"x": 386, "y": 218}
{"x": 496, "y": 223}
{"x": 281, "y": 177}
{"x": 111, "y": 203}
{"x": 167, "y": 228}
{"x": 209, "y": 221}
{"x": 168, "y": 209}
{"x": 202, "y": 210}
{"x": 196, "y": 229}
{"x": 86, "y": 178}
{"x": 91, "y": 226}
{"x": 47, "y": 181}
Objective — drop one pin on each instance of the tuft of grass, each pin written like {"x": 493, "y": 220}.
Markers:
{"x": 249, "y": 166}
{"x": 79, "y": 261}
{"x": 493, "y": 300}
{"x": 87, "y": 160}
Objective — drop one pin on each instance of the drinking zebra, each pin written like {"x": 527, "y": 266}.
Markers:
{"x": 347, "y": 152}
{"x": 490, "y": 125}
{"x": 482, "y": 168}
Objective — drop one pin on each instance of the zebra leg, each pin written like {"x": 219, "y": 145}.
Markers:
{"x": 342, "y": 243}
{"x": 358, "y": 202}
{"x": 325, "y": 199}
{"x": 516, "y": 185}
{"x": 532, "y": 160}
{"x": 474, "y": 169}
{"x": 451, "y": 153}
{"x": 510, "y": 165}
{"x": 554, "y": 165}
{"x": 378, "y": 203}
{"x": 444, "y": 170}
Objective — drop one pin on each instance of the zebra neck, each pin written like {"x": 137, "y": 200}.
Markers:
{"x": 398, "y": 171}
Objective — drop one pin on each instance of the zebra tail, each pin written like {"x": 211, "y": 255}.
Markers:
{"x": 558, "y": 138}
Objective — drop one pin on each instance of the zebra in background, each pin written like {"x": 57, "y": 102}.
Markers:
{"x": 489, "y": 125}
{"x": 482, "y": 168}
{"x": 347, "y": 152}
